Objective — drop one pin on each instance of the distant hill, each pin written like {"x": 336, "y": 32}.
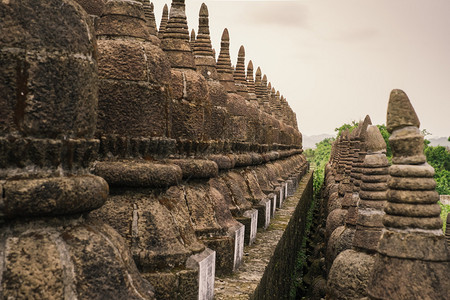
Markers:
{"x": 442, "y": 141}
{"x": 309, "y": 142}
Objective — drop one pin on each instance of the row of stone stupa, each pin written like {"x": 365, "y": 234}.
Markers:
{"x": 254, "y": 87}
{"x": 383, "y": 229}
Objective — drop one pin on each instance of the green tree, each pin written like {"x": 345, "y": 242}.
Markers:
{"x": 386, "y": 135}
{"x": 439, "y": 158}
{"x": 345, "y": 126}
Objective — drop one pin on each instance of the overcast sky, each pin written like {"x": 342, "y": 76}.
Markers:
{"x": 336, "y": 61}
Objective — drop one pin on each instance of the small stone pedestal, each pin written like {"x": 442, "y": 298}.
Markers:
{"x": 238, "y": 247}
{"x": 264, "y": 213}
{"x": 205, "y": 264}
{"x": 290, "y": 188}
{"x": 250, "y": 221}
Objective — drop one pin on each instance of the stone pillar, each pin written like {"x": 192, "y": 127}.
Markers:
{"x": 413, "y": 259}
{"x": 50, "y": 247}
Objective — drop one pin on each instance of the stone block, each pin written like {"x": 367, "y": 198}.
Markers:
{"x": 205, "y": 264}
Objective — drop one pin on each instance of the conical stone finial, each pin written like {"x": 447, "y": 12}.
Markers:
{"x": 192, "y": 38}
{"x": 400, "y": 112}
{"x": 224, "y": 64}
{"x": 204, "y": 55}
{"x": 239, "y": 74}
{"x": 412, "y": 239}
{"x": 164, "y": 20}
{"x": 176, "y": 38}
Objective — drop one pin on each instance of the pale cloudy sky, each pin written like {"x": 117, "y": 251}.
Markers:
{"x": 337, "y": 60}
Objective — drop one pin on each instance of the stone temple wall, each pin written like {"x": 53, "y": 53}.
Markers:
{"x": 133, "y": 165}
{"x": 383, "y": 227}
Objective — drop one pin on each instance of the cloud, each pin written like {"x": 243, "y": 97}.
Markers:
{"x": 289, "y": 14}
{"x": 357, "y": 35}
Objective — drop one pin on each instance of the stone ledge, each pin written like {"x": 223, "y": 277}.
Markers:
{"x": 259, "y": 258}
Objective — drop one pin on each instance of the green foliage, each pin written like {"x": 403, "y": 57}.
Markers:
{"x": 318, "y": 159}
{"x": 445, "y": 210}
{"x": 350, "y": 127}
{"x": 302, "y": 257}
{"x": 386, "y": 136}
{"x": 439, "y": 158}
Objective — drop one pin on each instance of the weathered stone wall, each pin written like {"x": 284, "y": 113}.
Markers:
{"x": 95, "y": 100}
{"x": 278, "y": 277}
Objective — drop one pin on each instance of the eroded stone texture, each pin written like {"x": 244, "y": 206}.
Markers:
{"x": 131, "y": 68}
{"x": 412, "y": 242}
{"x": 49, "y": 249}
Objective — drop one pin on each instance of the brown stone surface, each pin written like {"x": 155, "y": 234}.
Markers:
{"x": 52, "y": 196}
{"x": 139, "y": 173}
{"x": 349, "y": 275}
{"x": 400, "y": 112}
{"x": 429, "y": 280}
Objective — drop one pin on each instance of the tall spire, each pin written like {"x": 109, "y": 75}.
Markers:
{"x": 251, "y": 84}
{"x": 164, "y": 20}
{"x": 203, "y": 53}
{"x": 176, "y": 38}
{"x": 224, "y": 64}
{"x": 192, "y": 39}
{"x": 150, "y": 17}
{"x": 239, "y": 74}
{"x": 258, "y": 87}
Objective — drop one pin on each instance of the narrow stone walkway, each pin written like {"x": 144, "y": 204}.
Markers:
{"x": 243, "y": 283}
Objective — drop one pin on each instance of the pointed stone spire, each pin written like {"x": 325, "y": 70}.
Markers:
{"x": 164, "y": 20}
{"x": 150, "y": 17}
{"x": 224, "y": 64}
{"x": 239, "y": 74}
{"x": 413, "y": 260}
{"x": 176, "y": 38}
{"x": 192, "y": 40}
{"x": 258, "y": 87}
{"x": 204, "y": 55}
{"x": 251, "y": 84}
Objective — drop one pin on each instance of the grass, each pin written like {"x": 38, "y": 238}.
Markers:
{"x": 445, "y": 209}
